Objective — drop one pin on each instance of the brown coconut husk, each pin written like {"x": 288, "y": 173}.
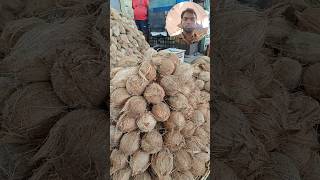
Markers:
{"x": 148, "y": 70}
{"x": 154, "y": 93}
{"x": 15, "y": 161}
{"x": 182, "y": 160}
{"x": 122, "y": 76}
{"x": 308, "y": 21}
{"x": 176, "y": 121}
{"x": 115, "y": 136}
{"x": 233, "y": 123}
{"x": 178, "y": 102}
{"x": 152, "y": 142}
{"x": 288, "y": 72}
{"x": 161, "y": 112}
{"x": 299, "y": 146}
{"x": 174, "y": 140}
{"x": 135, "y": 106}
{"x": 119, "y": 97}
{"x": 166, "y": 67}
{"x": 278, "y": 29}
{"x": 126, "y": 123}
{"x": 136, "y": 85}
{"x": 188, "y": 128}
{"x": 143, "y": 176}
{"x": 279, "y": 167}
{"x": 123, "y": 174}
{"x": 30, "y": 62}
{"x": 7, "y": 86}
{"x": 198, "y": 167}
{"x": 15, "y": 29}
{"x": 311, "y": 85}
{"x": 74, "y": 148}
{"x": 311, "y": 169}
{"x": 228, "y": 41}
{"x": 223, "y": 171}
{"x": 30, "y": 112}
{"x": 118, "y": 161}
{"x": 139, "y": 162}
{"x": 146, "y": 122}
{"x": 162, "y": 163}
{"x": 303, "y": 46}
{"x": 170, "y": 84}
{"x": 185, "y": 175}
{"x": 200, "y": 84}
{"x": 130, "y": 142}
{"x": 304, "y": 112}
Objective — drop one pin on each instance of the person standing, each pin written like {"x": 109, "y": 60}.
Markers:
{"x": 140, "y": 10}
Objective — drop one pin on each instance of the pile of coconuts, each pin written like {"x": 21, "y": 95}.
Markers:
{"x": 128, "y": 46}
{"x": 266, "y": 79}
{"x": 160, "y": 120}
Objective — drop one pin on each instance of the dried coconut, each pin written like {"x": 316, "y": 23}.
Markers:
{"x": 174, "y": 140}
{"x": 130, "y": 142}
{"x": 161, "y": 112}
{"x": 176, "y": 121}
{"x": 118, "y": 160}
{"x": 182, "y": 160}
{"x": 126, "y": 123}
{"x": 139, "y": 162}
{"x": 152, "y": 142}
{"x": 146, "y": 122}
{"x": 136, "y": 84}
{"x": 154, "y": 93}
{"x": 162, "y": 163}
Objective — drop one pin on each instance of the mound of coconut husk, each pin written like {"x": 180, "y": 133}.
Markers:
{"x": 267, "y": 106}
{"x": 53, "y": 66}
{"x": 74, "y": 148}
{"x": 128, "y": 45}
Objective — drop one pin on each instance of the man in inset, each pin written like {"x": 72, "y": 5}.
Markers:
{"x": 140, "y": 9}
{"x": 189, "y": 27}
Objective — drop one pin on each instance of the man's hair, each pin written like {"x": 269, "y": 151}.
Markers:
{"x": 188, "y": 10}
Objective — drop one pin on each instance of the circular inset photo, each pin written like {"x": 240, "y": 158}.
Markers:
{"x": 188, "y": 19}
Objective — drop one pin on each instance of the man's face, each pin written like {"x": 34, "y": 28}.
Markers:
{"x": 188, "y": 22}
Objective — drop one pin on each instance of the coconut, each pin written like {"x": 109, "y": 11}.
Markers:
{"x": 146, "y": 122}
{"x": 204, "y": 97}
{"x": 115, "y": 136}
{"x": 152, "y": 142}
{"x": 166, "y": 67}
{"x": 161, "y": 112}
{"x": 195, "y": 145}
{"x": 198, "y": 167}
{"x": 185, "y": 71}
{"x": 178, "y": 102}
{"x": 199, "y": 83}
{"x": 168, "y": 177}
{"x": 147, "y": 70}
{"x": 185, "y": 175}
{"x": 162, "y": 163}
{"x": 143, "y": 176}
{"x": 119, "y": 97}
{"x": 123, "y": 174}
{"x": 203, "y": 156}
{"x": 207, "y": 86}
{"x": 154, "y": 93}
{"x": 176, "y": 121}
{"x": 182, "y": 160}
{"x": 188, "y": 129}
{"x": 198, "y": 118}
{"x": 170, "y": 84}
{"x": 136, "y": 84}
{"x": 310, "y": 81}
{"x": 308, "y": 21}
{"x": 130, "y": 142}
{"x": 174, "y": 140}
{"x": 126, "y": 123}
{"x": 202, "y": 135}
{"x": 135, "y": 106}
{"x": 205, "y": 76}
{"x": 121, "y": 77}
{"x": 278, "y": 29}
{"x": 118, "y": 160}
{"x": 139, "y": 162}
{"x": 288, "y": 72}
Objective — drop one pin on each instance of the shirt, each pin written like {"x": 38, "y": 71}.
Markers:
{"x": 181, "y": 39}
{"x": 140, "y": 9}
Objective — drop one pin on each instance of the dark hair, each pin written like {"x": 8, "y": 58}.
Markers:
{"x": 189, "y": 10}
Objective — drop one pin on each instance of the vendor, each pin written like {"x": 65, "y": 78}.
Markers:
{"x": 140, "y": 10}
{"x": 190, "y": 32}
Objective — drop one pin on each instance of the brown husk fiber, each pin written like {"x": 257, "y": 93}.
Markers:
{"x": 75, "y": 147}
{"x": 31, "y": 111}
